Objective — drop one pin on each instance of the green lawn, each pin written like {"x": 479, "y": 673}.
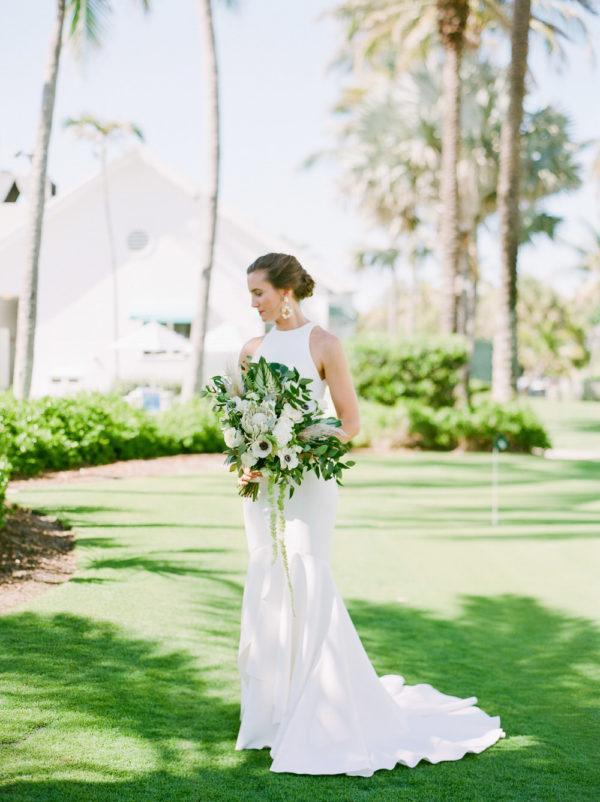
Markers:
{"x": 571, "y": 424}
{"x": 121, "y": 684}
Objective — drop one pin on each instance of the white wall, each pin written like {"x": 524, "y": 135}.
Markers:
{"x": 75, "y": 326}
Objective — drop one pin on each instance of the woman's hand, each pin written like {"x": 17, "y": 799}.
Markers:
{"x": 248, "y": 476}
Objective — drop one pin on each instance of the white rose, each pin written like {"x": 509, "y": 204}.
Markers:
{"x": 282, "y": 431}
{"x": 233, "y": 437}
{"x": 290, "y": 412}
{"x": 288, "y": 458}
{"x": 248, "y": 459}
{"x": 261, "y": 447}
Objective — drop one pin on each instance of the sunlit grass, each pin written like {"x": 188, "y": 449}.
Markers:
{"x": 122, "y": 684}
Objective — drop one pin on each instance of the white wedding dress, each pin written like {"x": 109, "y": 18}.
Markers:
{"x": 308, "y": 689}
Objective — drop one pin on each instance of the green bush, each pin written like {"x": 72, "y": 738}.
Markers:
{"x": 49, "y": 434}
{"x": 4, "y": 470}
{"x": 518, "y": 424}
{"x": 427, "y": 370}
{"x": 411, "y": 424}
{"x": 191, "y": 427}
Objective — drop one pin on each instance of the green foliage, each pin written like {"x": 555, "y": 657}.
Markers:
{"x": 412, "y": 424}
{"x": 552, "y": 341}
{"x": 4, "y": 469}
{"x": 521, "y": 428}
{"x": 49, "y": 434}
{"x": 386, "y": 371}
{"x": 190, "y": 427}
{"x": 282, "y": 398}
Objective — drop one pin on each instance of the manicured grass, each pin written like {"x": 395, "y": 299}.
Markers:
{"x": 122, "y": 683}
{"x": 571, "y": 424}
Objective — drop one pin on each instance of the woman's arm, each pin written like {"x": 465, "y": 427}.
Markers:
{"x": 341, "y": 387}
{"x": 247, "y": 351}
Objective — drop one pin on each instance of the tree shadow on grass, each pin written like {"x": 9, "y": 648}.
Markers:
{"x": 167, "y": 568}
{"x": 83, "y": 680}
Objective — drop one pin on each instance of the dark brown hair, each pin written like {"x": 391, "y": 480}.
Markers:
{"x": 285, "y": 272}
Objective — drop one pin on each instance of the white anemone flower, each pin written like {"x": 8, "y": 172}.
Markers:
{"x": 288, "y": 457}
{"x": 261, "y": 447}
{"x": 310, "y": 406}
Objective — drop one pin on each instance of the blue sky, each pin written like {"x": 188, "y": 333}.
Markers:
{"x": 276, "y": 96}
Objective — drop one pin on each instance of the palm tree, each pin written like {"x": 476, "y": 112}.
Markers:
{"x": 100, "y": 134}
{"x": 389, "y": 143}
{"x": 86, "y": 24}
{"x": 28, "y": 299}
{"x": 505, "y": 359}
{"x": 393, "y": 34}
{"x": 194, "y": 378}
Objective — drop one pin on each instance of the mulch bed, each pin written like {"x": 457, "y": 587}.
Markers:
{"x": 36, "y": 552}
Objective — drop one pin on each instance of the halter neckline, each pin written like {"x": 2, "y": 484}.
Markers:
{"x": 289, "y": 331}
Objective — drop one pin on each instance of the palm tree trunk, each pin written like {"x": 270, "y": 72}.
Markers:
{"x": 193, "y": 381}
{"x": 462, "y": 281}
{"x": 449, "y": 183}
{"x": 112, "y": 256}
{"x": 413, "y": 300}
{"x": 27, "y": 314}
{"x": 393, "y": 303}
{"x": 505, "y": 358}
{"x": 473, "y": 256}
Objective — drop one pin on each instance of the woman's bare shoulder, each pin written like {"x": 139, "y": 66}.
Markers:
{"x": 324, "y": 339}
{"x": 249, "y": 347}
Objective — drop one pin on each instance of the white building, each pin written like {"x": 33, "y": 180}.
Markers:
{"x": 155, "y": 218}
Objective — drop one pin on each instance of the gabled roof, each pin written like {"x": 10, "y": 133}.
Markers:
{"x": 142, "y": 156}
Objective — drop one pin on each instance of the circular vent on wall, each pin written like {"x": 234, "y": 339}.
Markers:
{"x": 137, "y": 240}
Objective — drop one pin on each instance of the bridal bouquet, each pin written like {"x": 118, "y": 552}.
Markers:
{"x": 272, "y": 424}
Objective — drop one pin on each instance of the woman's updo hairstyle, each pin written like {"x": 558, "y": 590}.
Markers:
{"x": 284, "y": 271}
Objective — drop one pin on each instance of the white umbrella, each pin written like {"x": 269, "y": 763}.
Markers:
{"x": 153, "y": 338}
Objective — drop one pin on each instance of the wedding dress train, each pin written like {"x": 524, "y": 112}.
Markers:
{"x": 308, "y": 688}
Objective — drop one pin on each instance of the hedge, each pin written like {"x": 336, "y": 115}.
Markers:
{"x": 4, "y": 470}
{"x": 428, "y": 370}
{"x": 411, "y": 424}
{"x": 49, "y": 434}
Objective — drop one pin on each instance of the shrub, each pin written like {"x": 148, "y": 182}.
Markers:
{"x": 85, "y": 429}
{"x": 190, "y": 427}
{"x": 427, "y": 370}
{"x": 50, "y": 434}
{"x": 4, "y": 470}
{"x": 518, "y": 424}
{"x": 411, "y": 424}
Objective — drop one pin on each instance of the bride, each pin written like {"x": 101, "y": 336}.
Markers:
{"x": 308, "y": 689}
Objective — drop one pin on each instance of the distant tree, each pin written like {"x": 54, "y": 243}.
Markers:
{"x": 553, "y": 341}
{"x": 505, "y": 357}
{"x": 101, "y": 134}
{"x": 194, "y": 378}
{"x": 86, "y": 23}
{"x": 388, "y": 146}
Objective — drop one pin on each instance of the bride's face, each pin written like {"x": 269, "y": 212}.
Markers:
{"x": 266, "y": 298}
